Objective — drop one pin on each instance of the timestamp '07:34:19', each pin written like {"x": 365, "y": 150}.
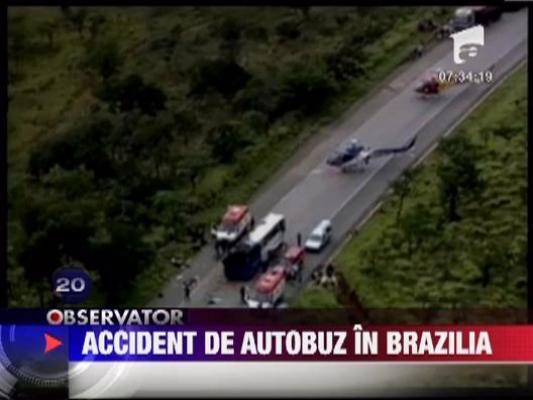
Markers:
{"x": 465, "y": 76}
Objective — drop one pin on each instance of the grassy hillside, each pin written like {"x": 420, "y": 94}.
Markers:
{"x": 130, "y": 129}
{"x": 454, "y": 234}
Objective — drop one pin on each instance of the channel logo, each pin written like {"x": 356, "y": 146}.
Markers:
{"x": 466, "y": 43}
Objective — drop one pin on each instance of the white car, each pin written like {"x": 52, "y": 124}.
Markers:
{"x": 319, "y": 237}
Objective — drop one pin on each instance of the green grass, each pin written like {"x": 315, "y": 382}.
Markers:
{"x": 316, "y": 297}
{"x": 499, "y": 217}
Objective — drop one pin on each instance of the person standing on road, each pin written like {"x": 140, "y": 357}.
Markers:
{"x": 243, "y": 294}
{"x": 187, "y": 290}
{"x": 299, "y": 239}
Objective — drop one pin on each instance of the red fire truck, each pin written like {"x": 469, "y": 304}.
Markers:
{"x": 293, "y": 260}
{"x": 269, "y": 288}
{"x": 235, "y": 223}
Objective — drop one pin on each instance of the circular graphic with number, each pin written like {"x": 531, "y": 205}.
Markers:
{"x": 71, "y": 284}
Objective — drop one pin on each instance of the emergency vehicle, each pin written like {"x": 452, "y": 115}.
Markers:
{"x": 293, "y": 260}
{"x": 269, "y": 288}
{"x": 466, "y": 17}
{"x": 235, "y": 223}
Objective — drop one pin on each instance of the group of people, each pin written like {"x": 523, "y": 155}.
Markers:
{"x": 324, "y": 276}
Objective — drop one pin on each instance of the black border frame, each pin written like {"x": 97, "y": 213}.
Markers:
{"x": 526, "y": 392}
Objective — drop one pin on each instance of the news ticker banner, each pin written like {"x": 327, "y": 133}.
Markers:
{"x": 165, "y": 335}
{"x": 65, "y": 347}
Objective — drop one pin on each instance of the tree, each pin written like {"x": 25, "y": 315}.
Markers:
{"x": 170, "y": 206}
{"x": 259, "y": 95}
{"x": 224, "y": 76}
{"x": 17, "y": 38}
{"x": 77, "y": 19}
{"x": 495, "y": 258}
{"x": 57, "y": 219}
{"x": 191, "y": 166}
{"x": 458, "y": 172}
{"x": 306, "y": 87}
{"x": 186, "y": 123}
{"x": 417, "y": 224}
{"x": 119, "y": 255}
{"x": 346, "y": 62}
{"x": 288, "y": 29}
{"x": 104, "y": 58}
{"x": 66, "y": 11}
{"x": 305, "y": 10}
{"x": 402, "y": 187}
{"x": 133, "y": 93}
{"x": 230, "y": 32}
{"x": 226, "y": 140}
{"x": 83, "y": 144}
{"x": 96, "y": 21}
{"x": 49, "y": 29}
{"x": 151, "y": 140}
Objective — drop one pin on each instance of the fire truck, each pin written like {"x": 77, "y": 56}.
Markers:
{"x": 269, "y": 288}
{"x": 293, "y": 260}
{"x": 466, "y": 17}
{"x": 235, "y": 223}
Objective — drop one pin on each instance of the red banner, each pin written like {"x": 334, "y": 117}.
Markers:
{"x": 510, "y": 343}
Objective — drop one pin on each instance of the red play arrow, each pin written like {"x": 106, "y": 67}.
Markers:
{"x": 51, "y": 342}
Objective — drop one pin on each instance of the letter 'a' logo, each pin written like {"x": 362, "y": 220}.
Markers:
{"x": 466, "y": 43}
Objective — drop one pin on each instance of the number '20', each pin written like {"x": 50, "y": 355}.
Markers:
{"x": 67, "y": 285}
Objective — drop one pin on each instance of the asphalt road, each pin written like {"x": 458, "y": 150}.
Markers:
{"x": 308, "y": 191}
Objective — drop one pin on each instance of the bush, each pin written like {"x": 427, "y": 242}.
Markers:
{"x": 345, "y": 63}
{"x": 306, "y": 87}
{"x": 288, "y": 29}
{"x": 225, "y": 76}
{"x": 132, "y": 92}
{"x": 256, "y": 121}
{"x": 258, "y": 95}
{"x": 227, "y": 140}
{"x": 82, "y": 145}
{"x": 103, "y": 57}
{"x": 229, "y": 29}
{"x": 257, "y": 33}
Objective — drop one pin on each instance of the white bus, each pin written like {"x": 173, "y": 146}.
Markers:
{"x": 269, "y": 234}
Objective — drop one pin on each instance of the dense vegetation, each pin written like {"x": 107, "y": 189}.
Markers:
{"x": 454, "y": 234}
{"x": 130, "y": 129}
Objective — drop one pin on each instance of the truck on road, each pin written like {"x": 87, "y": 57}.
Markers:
{"x": 236, "y": 222}
{"x": 466, "y": 17}
{"x": 269, "y": 288}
